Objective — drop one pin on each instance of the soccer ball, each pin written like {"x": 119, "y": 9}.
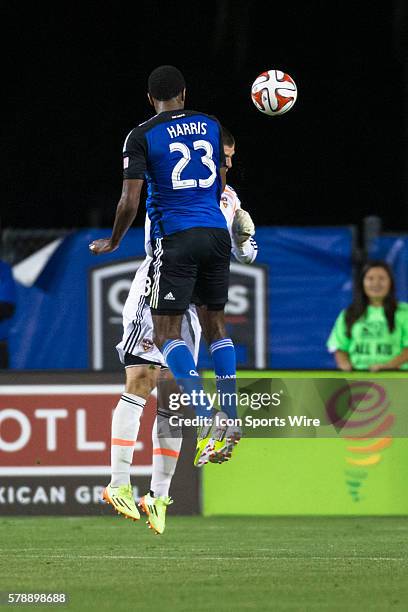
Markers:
{"x": 274, "y": 92}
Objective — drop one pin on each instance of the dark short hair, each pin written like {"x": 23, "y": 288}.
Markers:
{"x": 227, "y": 138}
{"x": 165, "y": 83}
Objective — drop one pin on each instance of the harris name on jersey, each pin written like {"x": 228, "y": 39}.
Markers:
{"x": 182, "y": 129}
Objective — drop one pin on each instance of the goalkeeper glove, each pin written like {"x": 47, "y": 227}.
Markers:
{"x": 242, "y": 226}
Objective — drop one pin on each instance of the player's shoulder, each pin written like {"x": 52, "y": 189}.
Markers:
{"x": 229, "y": 197}
{"x": 175, "y": 115}
{"x": 207, "y": 121}
{"x": 190, "y": 113}
{"x": 140, "y": 129}
{"x": 135, "y": 135}
{"x": 230, "y": 191}
{"x": 138, "y": 134}
{"x": 179, "y": 115}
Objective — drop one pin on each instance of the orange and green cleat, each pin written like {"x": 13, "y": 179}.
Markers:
{"x": 155, "y": 508}
{"x": 121, "y": 499}
{"x": 216, "y": 442}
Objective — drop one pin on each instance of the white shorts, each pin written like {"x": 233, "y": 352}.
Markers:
{"x": 137, "y": 336}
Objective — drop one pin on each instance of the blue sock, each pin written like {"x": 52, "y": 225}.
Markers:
{"x": 225, "y": 366}
{"x": 181, "y": 363}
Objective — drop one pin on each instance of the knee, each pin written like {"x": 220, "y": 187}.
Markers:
{"x": 141, "y": 380}
{"x": 166, "y": 327}
{"x": 160, "y": 339}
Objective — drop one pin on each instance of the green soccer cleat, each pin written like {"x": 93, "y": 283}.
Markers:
{"x": 155, "y": 508}
{"x": 219, "y": 454}
{"x": 223, "y": 448}
{"x": 205, "y": 445}
{"x": 121, "y": 498}
{"x": 216, "y": 442}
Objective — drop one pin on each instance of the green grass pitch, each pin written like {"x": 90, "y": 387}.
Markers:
{"x": 108, "y": 563}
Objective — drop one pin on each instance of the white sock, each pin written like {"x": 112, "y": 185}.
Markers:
{"x": 167, "y": 442}
{"x": 125, "y": 427}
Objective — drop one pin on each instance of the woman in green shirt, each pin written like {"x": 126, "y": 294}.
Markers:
{"x": 372, "y": 333}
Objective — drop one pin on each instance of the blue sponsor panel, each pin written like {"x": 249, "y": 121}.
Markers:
{"x": 308, "y": 282}
{"x": 280, "y": 309}
{"x": 53, "y": 318}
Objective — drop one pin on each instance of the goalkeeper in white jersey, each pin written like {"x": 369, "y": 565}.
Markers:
{"x": 145, "y": 369}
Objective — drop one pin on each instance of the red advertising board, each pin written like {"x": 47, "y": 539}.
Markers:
{"x": 55, "y": 448}
{"x": 52, "y": 428}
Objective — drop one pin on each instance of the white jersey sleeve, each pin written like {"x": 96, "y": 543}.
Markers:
{"x": 245, "y": 253}
{"x": 230, "y": 202}
{"x": 147, "y": 241}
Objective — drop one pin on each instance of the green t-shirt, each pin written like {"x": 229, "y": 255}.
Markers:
{"x": 371, "y": 341}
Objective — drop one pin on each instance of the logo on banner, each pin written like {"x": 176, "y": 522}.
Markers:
{"x": 67, "y": 425}
{"x": 246, "y": 312}
{"x": 55, "y": 448}
{"x": 108, "y": 289}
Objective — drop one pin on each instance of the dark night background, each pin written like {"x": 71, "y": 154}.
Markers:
{"x": 78, "y": 80}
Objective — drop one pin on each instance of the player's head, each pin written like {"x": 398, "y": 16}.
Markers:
{"x": 229, "y": 146}
{"x": 166, "y": 83}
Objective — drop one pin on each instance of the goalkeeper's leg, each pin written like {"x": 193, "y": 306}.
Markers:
{"x": 140, "y": 381}
{"x": 167, "y": 441}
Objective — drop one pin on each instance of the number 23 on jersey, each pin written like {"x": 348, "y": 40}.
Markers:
{"x": 177, "y": 181}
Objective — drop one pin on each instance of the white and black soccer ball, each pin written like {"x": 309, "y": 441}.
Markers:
{"x": 274, "y": 92}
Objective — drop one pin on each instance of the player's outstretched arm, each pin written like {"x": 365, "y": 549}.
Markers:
{"x": 125, "y": 215}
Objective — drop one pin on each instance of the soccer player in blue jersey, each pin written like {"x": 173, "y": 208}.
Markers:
{"x": 179, "y": 153}
{"x": 144, "y": 364}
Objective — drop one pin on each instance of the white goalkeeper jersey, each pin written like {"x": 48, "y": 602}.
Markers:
{"x": 230, "y": 202}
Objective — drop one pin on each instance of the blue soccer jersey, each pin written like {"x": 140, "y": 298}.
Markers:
{"x": 179, "y": 154}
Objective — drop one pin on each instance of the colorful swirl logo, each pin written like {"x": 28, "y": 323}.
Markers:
{"x": 361, "y": 410}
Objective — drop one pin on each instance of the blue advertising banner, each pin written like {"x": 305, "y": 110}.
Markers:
{"x": 280, "y": 309}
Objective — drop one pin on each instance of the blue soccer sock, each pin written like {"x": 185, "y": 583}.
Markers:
{"x": 225, "y": 367}
{"x": 181, "y": 362}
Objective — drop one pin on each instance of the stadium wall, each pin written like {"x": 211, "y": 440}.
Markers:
{"x": 280, "y": 309}
{"x": 55, "y": 440}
